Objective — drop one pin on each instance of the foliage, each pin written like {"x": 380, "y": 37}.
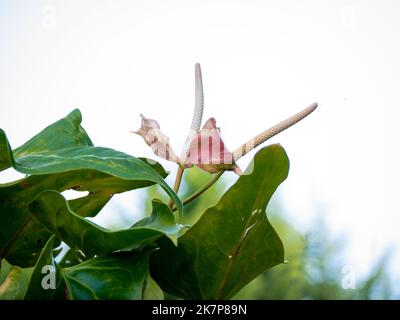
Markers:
{"x": 314, "y": 268}
{"x": 212, "y": 258}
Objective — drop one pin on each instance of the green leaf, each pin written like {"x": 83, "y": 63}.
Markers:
{"x": 232, "y": 242}
{"x": 32, "y": 235}
{"x": 151, "y": 290}
{"x": 25, "y": 249}
{"x": 120, "y": 275}
{"x": 13, "y": 281}
{"x": 5, "y": 268}
{"x": 107, "y": 161}
{"x": 62, "y": 157}
{"x": 53, "y": 211}
{"x": 64, "y": 133}
{"x": 36, "y": 290}
{"x": 5, "y": 152}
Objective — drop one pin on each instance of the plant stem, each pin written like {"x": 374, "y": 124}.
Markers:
{"x": 177, "y": 183}
{"x": 202, "y": 189}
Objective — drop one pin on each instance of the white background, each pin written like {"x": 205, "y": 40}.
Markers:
{"x": 262, "y": 61}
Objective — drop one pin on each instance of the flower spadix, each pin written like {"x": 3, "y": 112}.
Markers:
{"x": 204, "y": 147}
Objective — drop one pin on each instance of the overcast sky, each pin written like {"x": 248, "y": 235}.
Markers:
{"x": 262, "y": 61}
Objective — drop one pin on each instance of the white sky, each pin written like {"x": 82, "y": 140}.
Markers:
{"x": 262, "y": 61}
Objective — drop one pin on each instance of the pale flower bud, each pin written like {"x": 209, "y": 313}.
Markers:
{"x": 151, "y": 133}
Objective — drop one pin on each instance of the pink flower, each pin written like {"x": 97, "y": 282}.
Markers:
{"x": 208, "y": 151}
{"x": 205, "y": 148}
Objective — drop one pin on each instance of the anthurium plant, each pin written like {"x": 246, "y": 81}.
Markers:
{"x": 230, "y": 244}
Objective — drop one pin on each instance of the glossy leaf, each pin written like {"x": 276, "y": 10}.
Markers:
{"x": 4, "y": 269}
{"x": 25, "y": 249}
{"x": 62, "y": 157}
{"x": 120, "y": 275}
{"x": 151, "y": 290}
{"x": 13, "y": 281}
{"x": 232, "y": 242}
{"x": 53, "y": 211}
{"x": 5, "y": 152}
{"x": 64, "y": 133}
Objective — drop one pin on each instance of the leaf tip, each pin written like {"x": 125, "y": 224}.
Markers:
{"x": 174, "y": 240}
{"x": 75, "y": 115}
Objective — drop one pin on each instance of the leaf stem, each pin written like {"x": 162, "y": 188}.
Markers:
{"x": 178, "y": 180}
{"x": 202, "y": 189}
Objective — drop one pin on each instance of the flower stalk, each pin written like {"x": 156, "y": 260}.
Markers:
{"x": 178, "y": 180}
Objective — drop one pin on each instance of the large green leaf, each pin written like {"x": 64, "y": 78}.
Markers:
{"x": 25, "y": 248}
{"x": 120, "y": 275}
{"x": 108, "y": 161}
{"x": 232, "y": 242}
{"x": 66, "y": 132}
{"x": 5, "y": 152}
{"x": 13, "y": 281}
{"x": 4, "y": 270}
{"x": 53, "y": 211}
{"x": 151, "y": 290}
{"x": 32, "y": 235}
{"x": 62, "y": 157}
